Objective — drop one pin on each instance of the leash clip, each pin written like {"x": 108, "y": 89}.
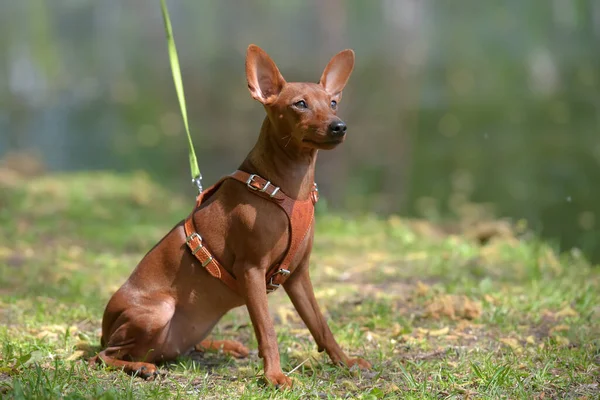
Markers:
{"x": 198, "y": 183}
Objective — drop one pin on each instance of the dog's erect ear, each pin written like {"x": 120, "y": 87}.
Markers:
{"x": 337, "y": 72}
{"x": 264, "y": 79}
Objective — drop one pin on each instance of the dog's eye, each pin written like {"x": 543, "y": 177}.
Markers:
{"x": 333, "y": 104}
{"x": 300, "y": 104}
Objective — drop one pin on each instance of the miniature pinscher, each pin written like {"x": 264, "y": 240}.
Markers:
{"x": 249, "y": 233}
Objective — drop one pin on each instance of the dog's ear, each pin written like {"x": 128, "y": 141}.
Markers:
{"x": 337, "y": 72}
{"x": 264, "y": 79}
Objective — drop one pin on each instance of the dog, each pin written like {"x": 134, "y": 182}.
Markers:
{"x": 249, "y": 234}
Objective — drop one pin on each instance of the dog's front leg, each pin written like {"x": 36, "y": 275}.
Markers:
{"x": 300, "y": 290}
{"x": 254, "y": 287}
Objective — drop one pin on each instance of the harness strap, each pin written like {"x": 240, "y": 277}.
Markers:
{"x": 300, "y": 215}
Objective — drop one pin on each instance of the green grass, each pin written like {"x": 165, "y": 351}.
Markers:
{"x": 438, "y": 318}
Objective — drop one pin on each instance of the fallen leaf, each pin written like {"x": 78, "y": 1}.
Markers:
{"x": 76, "y": 355}
{"x": 392, "y": 387}
{"x": 286, "y": 315}
{"x": 561, "y": 340}
{"x": 453, "y": 307}
{"x": 512, "y": 343}
{"x": 397, "y": 330}
{"x": 490, "y": 299}
{"x": 530, "y": 340}
{"x": 47, "y": 335}
{"x": 422, "y": 331}
{"x": 567, "y": 312}
{"x": 421, "y": 289}
{"x": 85, "y": 346}
{"x": 439, "y": 332}
{"x": 559, "y": 328}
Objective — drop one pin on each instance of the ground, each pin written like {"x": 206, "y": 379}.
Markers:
{"x": 438, "y": 316}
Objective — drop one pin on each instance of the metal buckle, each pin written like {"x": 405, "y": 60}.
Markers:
{"x": 250, "y": 180}
{"x": 192, "y": 236}
{"x": 271, "y": 287}
{"x": 264, "y": 189}
{"x": 283, "y": 271}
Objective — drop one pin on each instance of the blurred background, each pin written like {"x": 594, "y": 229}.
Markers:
{"x": 456, "y": 110}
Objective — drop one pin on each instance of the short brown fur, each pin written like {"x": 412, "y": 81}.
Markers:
{"x": 170, "y": 304}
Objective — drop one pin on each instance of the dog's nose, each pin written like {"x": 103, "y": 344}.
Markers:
{"x": 337, "y": 128}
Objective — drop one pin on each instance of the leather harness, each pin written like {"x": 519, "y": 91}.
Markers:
{"x": 300, "y": 214}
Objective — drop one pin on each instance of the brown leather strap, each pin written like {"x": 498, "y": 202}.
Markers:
{"x": 300, "y": 214}
{"x": 210, "y": 263}
{"x": 198, "y": 248}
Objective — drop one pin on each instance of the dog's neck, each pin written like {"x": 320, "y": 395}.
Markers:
{"x": 278, "y": 159}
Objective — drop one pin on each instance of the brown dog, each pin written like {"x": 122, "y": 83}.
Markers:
{"x": 260, "y": 231}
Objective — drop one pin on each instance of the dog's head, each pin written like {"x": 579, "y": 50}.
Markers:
{"x": 303, "y": 113}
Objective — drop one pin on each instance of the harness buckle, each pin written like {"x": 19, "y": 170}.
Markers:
{"x": 251, "y": 180}
{"x": 271, "y": 286}
{"x": 192, "y": 236}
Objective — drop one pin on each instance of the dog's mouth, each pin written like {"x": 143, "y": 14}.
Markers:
{"x": 326, "y": 143}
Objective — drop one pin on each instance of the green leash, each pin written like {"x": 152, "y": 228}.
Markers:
{"x": 196, "y": 176}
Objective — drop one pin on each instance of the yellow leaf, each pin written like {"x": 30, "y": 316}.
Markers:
{"x": 392, "y": 388}
{"x": 5, "y": 252}
{"x": 511, "y": 342}
{"x": 559, "y": 328}
{"x": 47, "y": 334}
{"x": 562, "y": 341}
{"x": 567, "y": 312}
{"x": 84, "y": 346}
{"x": 422, "y": 331}
{"x": 439, "y": 332}
{"x": 530, "y": 340}
{"x": 421, "y": 289}
{"x": 286, "y": 315}
{"x": 489, "y": 299}
{"x": 376, "y": 256}
{"x": 77, "y": 354}
{"x": 397, "y": 330}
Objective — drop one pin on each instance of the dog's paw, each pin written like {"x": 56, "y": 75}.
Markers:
{"x": 146, "y": 371}
{"x": 279, "y": 380}
{"x": 362, "y": 364}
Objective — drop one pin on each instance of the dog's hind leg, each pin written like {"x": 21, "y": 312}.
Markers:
{"x": 138, "y": 336}
{"x": 142, "y": 369}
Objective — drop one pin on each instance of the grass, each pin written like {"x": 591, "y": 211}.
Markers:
{"x": 437, "y": 317}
